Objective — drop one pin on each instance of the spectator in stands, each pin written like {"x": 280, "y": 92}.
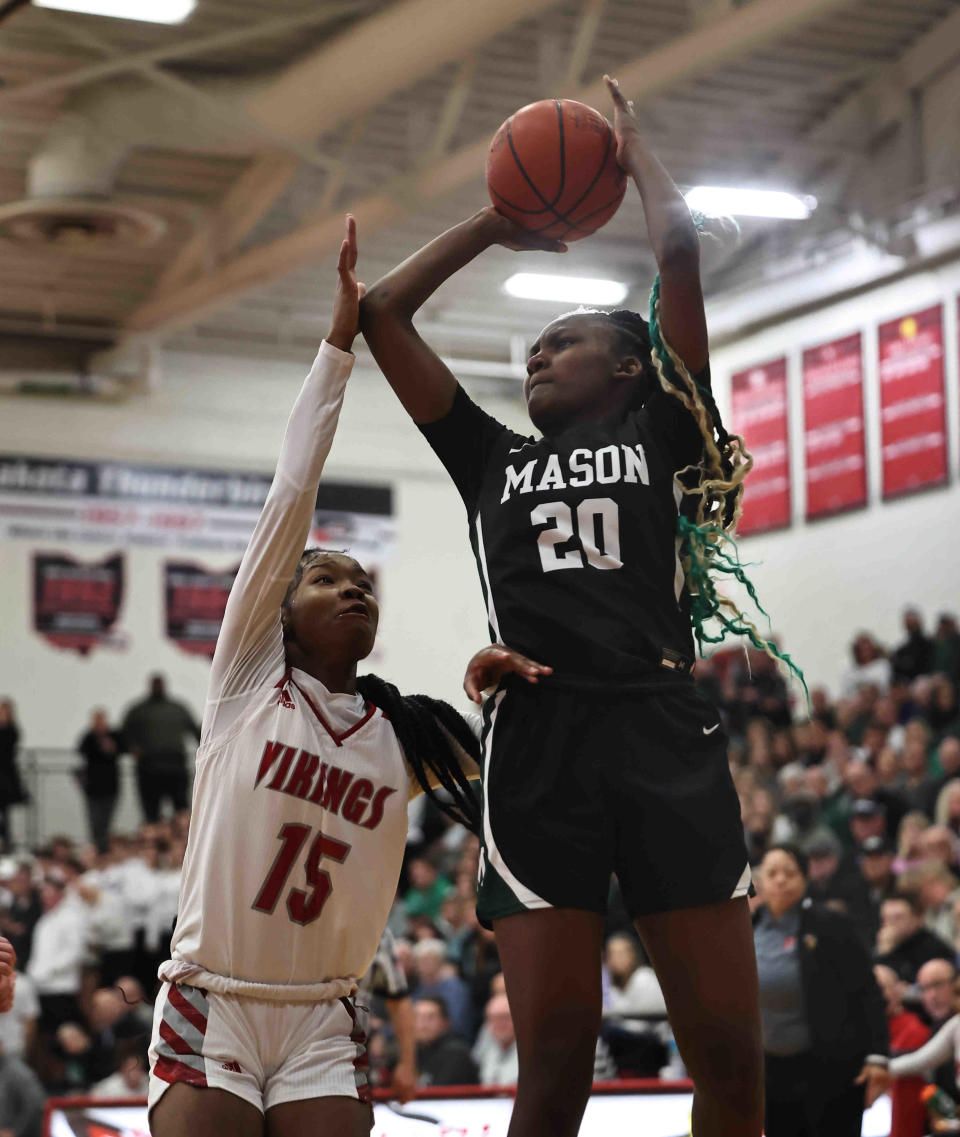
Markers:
{"x": 946, "y": 647}
{"x": 908, "y": 1114}
{"x": 129, "y": 1081}
{"x": 935, "y": 982}
{"x": 824, "y": 1026}
{"x": 59, "y": 948}
{"x": 942, "y": 1049}
{"x": 435, "y": 977}
{"x": 947, "y": 810}
{"x": 154, "y": 729}
{"x": 938, "y": 890}
{"x": 427, "y": 891}
{"x": 870, "y": 667}
{"x": 917, "y": 788}
{"x": 909, "y": 835}
{"x": 68, "y": 1062}
{"x": 442, "y": 1058}
{"x": 915, "y": 655}
{"x": 18, "y": 1026}
{"x": 100, "y": 747}
{"x": 903, "y": 943}
{"x": 11, "y": 785}
{"x": 495, "y": 1051}
{"x": 638, "y": 1044}
{"x": 943, "y": 713}
{"x": 21, "y": 1099}
{"x": 479, "y": 961}
{"x": 876, "y": 868}
{"x": 868, "y": 818}
{"x": 938, "y": 843}
{"x": 111, "y": 1022}
{"x": 834, "y": 879}
{"x": 20, "y": 907}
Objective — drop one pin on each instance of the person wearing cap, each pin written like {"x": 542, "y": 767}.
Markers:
{"x": 868, "y": 818}
{"x": 835, "y": 880}
{"x": 903, "y": 942}
{"x": 824, "y": 1021}
{"x": 876, "y": 869}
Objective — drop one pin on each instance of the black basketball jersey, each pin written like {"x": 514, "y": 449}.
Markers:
{"x": 575, "y": 536}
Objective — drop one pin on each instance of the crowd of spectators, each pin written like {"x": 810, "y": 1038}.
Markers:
{"x": 865, "y": 781}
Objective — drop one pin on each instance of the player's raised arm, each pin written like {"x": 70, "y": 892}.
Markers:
{"x": 250, "y": 641}
{"x": 422, "y": 381}
{"x": 673, "y": 237}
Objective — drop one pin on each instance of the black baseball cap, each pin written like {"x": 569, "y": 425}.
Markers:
{"x": 866, "y": 807}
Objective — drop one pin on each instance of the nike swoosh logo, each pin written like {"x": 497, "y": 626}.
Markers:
{"x": 712, "y": 729}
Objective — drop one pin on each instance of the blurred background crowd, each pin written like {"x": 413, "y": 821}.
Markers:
{"x": 864, "y": 780}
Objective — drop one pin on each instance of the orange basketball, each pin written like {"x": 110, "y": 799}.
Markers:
{"x": 552, "y": 168}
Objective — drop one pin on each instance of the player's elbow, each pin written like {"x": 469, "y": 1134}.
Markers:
{"x": 679, "y": 249}
{"x": 379, "y": 306}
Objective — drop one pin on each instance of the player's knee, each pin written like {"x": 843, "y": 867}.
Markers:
{"x": 728, "y": 1068}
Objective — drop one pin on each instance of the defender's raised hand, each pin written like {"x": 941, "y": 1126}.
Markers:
{"x": 346, "y": 305}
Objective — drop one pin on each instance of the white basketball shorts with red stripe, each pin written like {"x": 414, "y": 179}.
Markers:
{"x": 264, "y": 1052}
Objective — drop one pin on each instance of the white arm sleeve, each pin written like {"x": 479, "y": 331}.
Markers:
{"x": 938, "y": 1050}
{"x": 249, "y": 649}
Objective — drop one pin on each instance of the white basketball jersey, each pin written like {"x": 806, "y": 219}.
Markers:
{"x": 296, "y": 840}
{"x": 300, "y": 798}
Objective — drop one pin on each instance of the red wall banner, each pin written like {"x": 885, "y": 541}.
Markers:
{"x": 759, "y": 414}
{"x": 834, "y": 450}
{"x": 912, "y": 405}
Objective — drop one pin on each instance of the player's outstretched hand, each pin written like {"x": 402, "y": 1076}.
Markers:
{"x": 490, "y": 664}
{"x": 346, "y": 304}
{"x": 625, "y": 126}
{"x": 508, "y": 233}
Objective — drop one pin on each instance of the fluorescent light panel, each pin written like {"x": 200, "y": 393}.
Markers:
{"x": 149, "y": 11}
{"x": 726, "y": 200}
{"x": 566, "y": 289}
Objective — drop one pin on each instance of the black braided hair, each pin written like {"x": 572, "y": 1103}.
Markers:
{"x": 422, "y": 726}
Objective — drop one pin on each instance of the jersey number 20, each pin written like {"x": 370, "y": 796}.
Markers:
{"x": 597, "y": 524}
{"x": 302, "y": 907}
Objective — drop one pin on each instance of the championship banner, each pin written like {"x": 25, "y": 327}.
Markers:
{"x": 194, "y": 601}
{"x": 759, "y": 415}
{"x": 833, "y": 433}
{"x": 912, "y": 404}
{"x": 75, "y": 605}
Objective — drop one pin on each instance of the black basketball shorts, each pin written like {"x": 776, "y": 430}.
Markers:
{"x": 579, "y": 785}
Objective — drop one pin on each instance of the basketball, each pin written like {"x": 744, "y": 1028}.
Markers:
{"x": 552, "y": 168}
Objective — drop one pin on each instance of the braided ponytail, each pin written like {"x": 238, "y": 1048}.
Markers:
{"x": 422, "y": 725}
{"x": 714, "y": 492}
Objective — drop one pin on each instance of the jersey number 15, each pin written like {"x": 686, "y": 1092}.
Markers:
{"x": 302, "y": 907}
{"x": 596, "y": 534}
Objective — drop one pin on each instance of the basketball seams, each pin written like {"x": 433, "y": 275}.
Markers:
{"x": 560, "y": 217}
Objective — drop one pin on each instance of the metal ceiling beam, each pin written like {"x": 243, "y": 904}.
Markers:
{"x": 378, "y": 56}
{"x": 883, "y": 101}
{"x": 687, "y": 56}
{"x": 219, "y": 41}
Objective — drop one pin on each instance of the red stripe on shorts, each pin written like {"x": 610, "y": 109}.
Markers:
{"x": 173, "y": 1040}
{"x": 170, "y": 1070}
{"x": 361, "y": 1062}
{"x": 196, "y": 1018}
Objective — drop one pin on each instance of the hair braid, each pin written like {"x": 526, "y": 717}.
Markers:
{"x": 424, "y": 727}
{"x": 714, "y": 487}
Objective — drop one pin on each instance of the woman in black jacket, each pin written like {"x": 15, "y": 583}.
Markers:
{"x": 11, "y": 786}
{"x": 824, "y": 1021}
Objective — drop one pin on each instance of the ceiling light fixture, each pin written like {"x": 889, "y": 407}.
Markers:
{"x": 149, "y": 11}
{"x": 566, "y": 289}
{"x": 719, "y": 201}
